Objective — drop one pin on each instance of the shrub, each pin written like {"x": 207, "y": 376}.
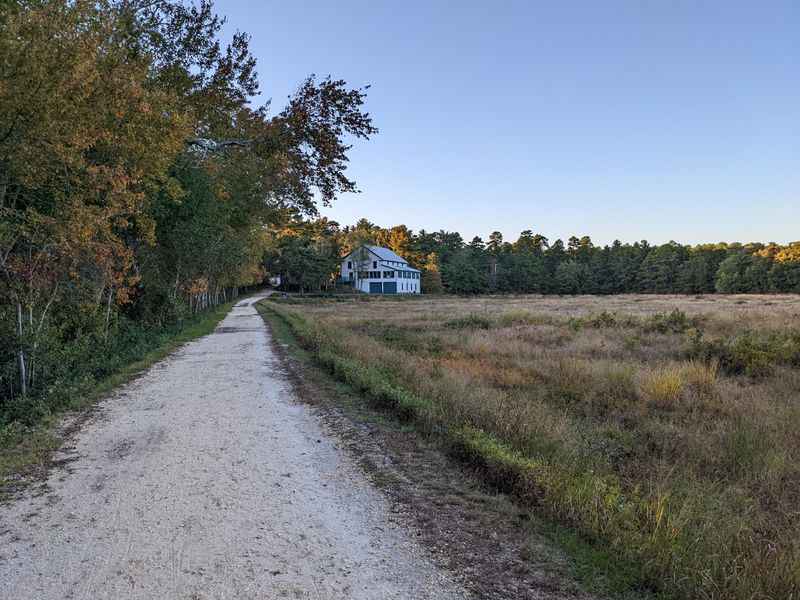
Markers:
{"x": 676, "y": 321}
{"x": 601, "y": 320}
{"x": 470, "y": 321}
{"x": 749, "y": 353}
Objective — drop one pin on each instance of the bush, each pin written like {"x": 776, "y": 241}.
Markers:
{"x": 749, "y": 353}
{"x": 471, "y": 321}
{"x": 673, "y": 322}
{"x": 73, "y": 357}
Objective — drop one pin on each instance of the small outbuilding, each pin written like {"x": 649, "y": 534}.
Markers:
{"x": 376, "y": 270}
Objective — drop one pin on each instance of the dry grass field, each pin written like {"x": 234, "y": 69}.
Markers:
{"x": 665, "y": 427}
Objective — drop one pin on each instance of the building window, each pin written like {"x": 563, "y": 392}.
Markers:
{"x": 349, "y": 264}
{"x": 374, "y": 264}
{"x": 388, "y": 274}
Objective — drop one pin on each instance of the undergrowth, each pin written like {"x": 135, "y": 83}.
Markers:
{"x": 27, "y": 433}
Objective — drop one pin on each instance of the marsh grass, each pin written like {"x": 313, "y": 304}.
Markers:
{"x": 665, "y": 428}
{"x": 663, "y": 386}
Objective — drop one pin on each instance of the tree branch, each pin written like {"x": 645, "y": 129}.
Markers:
{"x": 216, "y": 146}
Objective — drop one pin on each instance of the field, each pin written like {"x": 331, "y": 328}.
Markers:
{"x": 665, "y": 427}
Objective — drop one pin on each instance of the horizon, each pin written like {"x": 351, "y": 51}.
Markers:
{"x": 627, "y": 121}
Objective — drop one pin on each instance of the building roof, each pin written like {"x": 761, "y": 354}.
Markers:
{"x": 386, "y": 254}
{"x": 400, "y": 268}
{"x": 381, "y": 253}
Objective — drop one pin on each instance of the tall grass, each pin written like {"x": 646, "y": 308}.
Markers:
{"x": 611, "y": 422}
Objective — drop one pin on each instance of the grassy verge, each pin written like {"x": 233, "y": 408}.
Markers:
{"x": 27, "y": 448}
{"x": 364, "y": 394}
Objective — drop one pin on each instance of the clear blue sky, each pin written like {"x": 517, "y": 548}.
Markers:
{"x": 640, "y": 119}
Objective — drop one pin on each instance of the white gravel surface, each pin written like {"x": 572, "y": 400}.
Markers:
{"x": 205, "y": 479}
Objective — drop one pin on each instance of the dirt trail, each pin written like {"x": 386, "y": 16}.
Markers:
{"x": 204, "y": 479}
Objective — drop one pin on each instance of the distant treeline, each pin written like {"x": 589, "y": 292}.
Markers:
{"x": 534, "y": 264}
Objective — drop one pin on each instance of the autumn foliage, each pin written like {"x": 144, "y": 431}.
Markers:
{"x": 138, "y": 181}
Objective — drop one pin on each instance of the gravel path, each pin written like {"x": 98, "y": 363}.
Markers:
{"x": 204, "y": 479}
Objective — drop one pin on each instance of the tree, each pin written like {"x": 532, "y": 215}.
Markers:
{"x": 522, "y": 272}
{"x": 462, "y": 276}
{"x": 431, "y": 277}
{"x": 572, "y": 277}
{"x": 696, "y": 275}
{"x": 742, "y": 273}
{"x": 476, "y": 244}
{"x": 789, "y": 254}
{"x": 110, "y": 212}
{"x": 785, "y": 277}
{"x": 525, "y": 242}
{"x": 302, "y": 264}
{"x": 399, "y": 240}
{"x": 495, "y": 242}
{"x": 660, "y": 268}
{"x": 83, "y": 142}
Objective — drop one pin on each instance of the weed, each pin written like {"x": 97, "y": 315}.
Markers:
{"x": 675, "y": 321}
{"x": 663, "y": 387}
{"x": 702, "y": 377}
{"x": 470, "y": 321}
{"x": 750, "y": 353}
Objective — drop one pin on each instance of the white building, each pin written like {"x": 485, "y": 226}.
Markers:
{"x": 376, "y": 270}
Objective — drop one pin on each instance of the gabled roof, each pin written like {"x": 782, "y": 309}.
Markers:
{"x": 381, "y": 253}
{"x": 385, "y": 253}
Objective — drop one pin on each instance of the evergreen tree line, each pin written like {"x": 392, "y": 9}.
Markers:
{"x": 139, "y": 181}
{"x": 532, "y": 264}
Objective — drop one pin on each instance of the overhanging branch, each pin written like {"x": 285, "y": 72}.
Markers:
{"x": 208, "y": 145}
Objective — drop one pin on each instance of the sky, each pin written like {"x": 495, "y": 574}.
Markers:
{"x": 659, "y": 120}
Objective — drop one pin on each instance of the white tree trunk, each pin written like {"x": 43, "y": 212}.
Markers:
{"x": 108, "y": 312}
{"x": 23, "y": 376}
